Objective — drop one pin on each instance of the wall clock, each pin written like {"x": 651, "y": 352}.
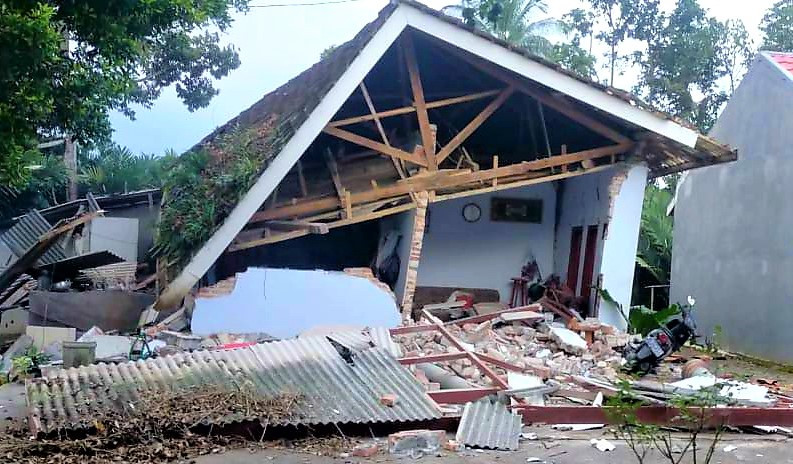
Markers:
{"x": 472, "y": 212}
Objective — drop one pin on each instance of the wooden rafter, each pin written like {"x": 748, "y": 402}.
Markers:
{"x": 376, "y": 146}
{"x": 333, "y": 169}
{"x": 560, "y": 106}
{"x": 400, "y": 169}
{"x": 411, "y": 109}
{"x": 469, "y": 129}
{"x": 301, "y": 178}
{"x": 438, "y": 180}
{"x": 331, "y": 225}
{"x": 310, "y": 227}
{"x": 427, "y": 137}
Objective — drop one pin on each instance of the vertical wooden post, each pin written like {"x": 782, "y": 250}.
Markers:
{"x": 70, "y": 160}
{"x": 416, "y": 242}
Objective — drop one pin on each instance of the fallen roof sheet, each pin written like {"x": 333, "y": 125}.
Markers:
{"x": 490, "y": 425}
{"x": 69, "y": 268}
{"x": 334, "y": 390}
{"x": 26, "y": 232}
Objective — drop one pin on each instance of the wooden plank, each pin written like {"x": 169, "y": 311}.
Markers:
{"x": 411, "y": 109}
{"x": 431, "y": 358}
{"x": 311, "y": 227}
{"x": 437, "y": 180}
{"x": 427, "y": 138}
{"x": 495, "y": 165}
{"x": 331, "y": 225}
{"x": 376, "y": 146}
{"x": 559, "y": 106}
{"x": 469, "y": 129}
{"x": 661, "y": 415}
{"x": 461, "y": 395}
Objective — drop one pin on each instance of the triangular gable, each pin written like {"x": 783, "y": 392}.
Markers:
{"x": 298, "y": 120}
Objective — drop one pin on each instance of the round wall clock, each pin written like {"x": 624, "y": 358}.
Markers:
{"x": 472, "y": 212}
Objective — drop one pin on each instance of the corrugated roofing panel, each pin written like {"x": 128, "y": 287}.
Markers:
{"x": 490, "y": 425}
{"x": 784, "y": 60}
{"x": 26, "y": 233}
{"x": 363, "y": 339}
{"x": 333, "y": 389}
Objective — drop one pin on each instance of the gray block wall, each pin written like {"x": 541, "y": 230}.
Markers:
{"x": 733, "y": 236}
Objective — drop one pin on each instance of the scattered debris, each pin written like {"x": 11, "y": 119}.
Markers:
{"x": 602, "y": 444}
{"x": 415, "y": 443}
{"x": 366, "y": 451}
{"x": 490, "y": 425}
{"x": 730, "y": 448}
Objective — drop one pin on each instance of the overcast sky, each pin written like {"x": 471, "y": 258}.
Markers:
{"x": 278, "y": 43}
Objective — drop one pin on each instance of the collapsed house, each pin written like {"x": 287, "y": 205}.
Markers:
{"x": 468, "y": 159}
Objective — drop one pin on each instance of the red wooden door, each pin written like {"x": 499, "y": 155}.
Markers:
{"x": 576, "y": 237}
{"x": 589, "y": 262}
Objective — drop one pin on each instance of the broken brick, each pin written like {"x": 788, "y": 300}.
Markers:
{"x": 366, "y": 451}
{"x": 415, "y": 442}
{"x": 389, "y": 399}
{"x": 452, "y": 445}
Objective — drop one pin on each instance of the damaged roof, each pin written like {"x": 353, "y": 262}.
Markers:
{"x": 335, "y": 389}
{"x": 284, "y": 122}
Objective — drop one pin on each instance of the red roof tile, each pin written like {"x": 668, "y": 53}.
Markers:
{"x": 785, "y": 60}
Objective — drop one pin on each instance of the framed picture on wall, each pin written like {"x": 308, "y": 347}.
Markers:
{"x": 527, "y": 210}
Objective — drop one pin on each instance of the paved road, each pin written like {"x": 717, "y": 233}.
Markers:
{"x": 572, "y": 448}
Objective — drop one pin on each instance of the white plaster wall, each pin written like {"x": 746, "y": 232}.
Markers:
{"x": 485, "y": 254}
{"x": 114, "y": 234}
{"x": 619, "y": 250}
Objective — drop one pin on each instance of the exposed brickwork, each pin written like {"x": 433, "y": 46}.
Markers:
{"x": 416, "y": 242}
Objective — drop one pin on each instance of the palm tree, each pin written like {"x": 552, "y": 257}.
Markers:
{"x": 511, "y": 20}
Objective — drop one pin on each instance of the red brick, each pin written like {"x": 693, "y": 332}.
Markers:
{"x": 452, "y": 445}
{"x": 366, "y": 451}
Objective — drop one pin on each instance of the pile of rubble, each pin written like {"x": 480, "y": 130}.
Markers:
{"x": 528, "y": 342}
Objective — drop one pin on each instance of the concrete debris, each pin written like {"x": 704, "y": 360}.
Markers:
{"x": 109, "y": 347}
{"x": 602, "y": 444}
{"x": 568, "y": 340}
{"x": 415, "y": 443}
{"x": 730, "y": 448}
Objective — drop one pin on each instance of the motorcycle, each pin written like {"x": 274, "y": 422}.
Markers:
{"x": 644, "y": 356}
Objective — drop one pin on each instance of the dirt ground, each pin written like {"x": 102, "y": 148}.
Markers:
{"x": 552, "y": 448}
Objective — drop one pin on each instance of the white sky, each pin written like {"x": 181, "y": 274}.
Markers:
{"x": 275, "y": 44}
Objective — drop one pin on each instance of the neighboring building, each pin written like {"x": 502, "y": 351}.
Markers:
{"x": 480, "y": 156}
{"x": 125, "y": 229}
{"x": 733, "y": 236}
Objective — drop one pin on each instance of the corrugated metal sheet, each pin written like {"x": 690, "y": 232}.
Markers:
{"x": 491, "y": 425}
{"x": 363, "y": 339}
{"x": 112, "y": 275}
{"x": 26, "y": 233}
{"x": 334, "y": 390}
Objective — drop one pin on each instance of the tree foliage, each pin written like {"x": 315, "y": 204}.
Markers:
{"x": 519, "y": 22}
{"x": 777, "y": 27}
{"x": 683, "y": 60}
{"x": 65, "y": 64}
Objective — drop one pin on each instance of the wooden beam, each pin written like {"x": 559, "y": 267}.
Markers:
{"x": 411, "y": 109}
{"x": 302, "y": 179}
{"x": 333, "y": 169}
{"x": 458, "y": 139}
{"x": 560, "y": 106}
{"x": 427, "y": 138}
{"x": 369, "y": 103}
{"x": 331, "y": 225}
{"x": 376, "y": 146}
{"x": 438, "y": 180}
{"x": 311, "y": 227}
